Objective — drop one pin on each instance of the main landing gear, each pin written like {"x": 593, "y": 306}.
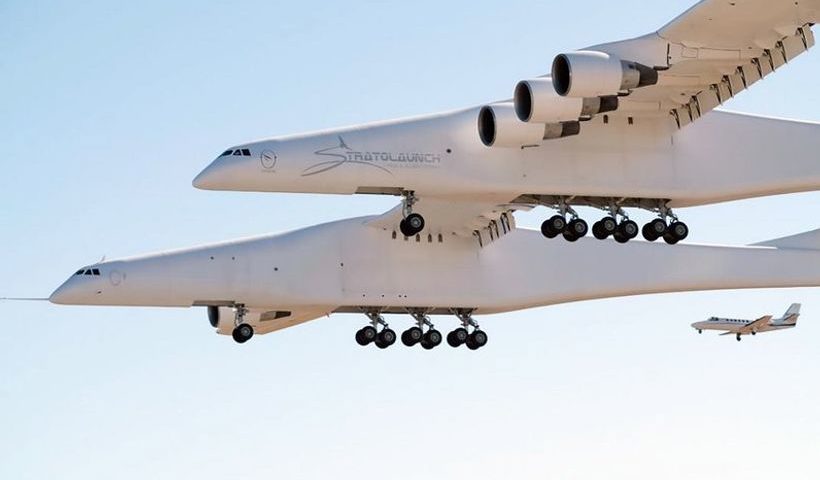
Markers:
{"x": 423, "y": 333}
{"x": 242, "y": 331}
{"x": 411, "y": 223}
{"x": 616, "y": 224}
{"x": 369, "y": 334}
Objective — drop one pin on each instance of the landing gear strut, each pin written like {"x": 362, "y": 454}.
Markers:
{"x": 671, "y": 233}
{"x": 558, "y": 225}
{"x": 460, "y": 336}
{"x": 412, "y": 223}
{"x": 242, "y": 331}
{"x": 428, "y": 340}
{"x": 369, "y": 334}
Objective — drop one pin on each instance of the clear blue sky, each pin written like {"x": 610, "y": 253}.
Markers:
{"x": 109, "y": 109}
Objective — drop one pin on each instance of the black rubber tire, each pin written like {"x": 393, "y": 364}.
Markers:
{"x": 381, "y": 344}
{"x": 669, "y": 238}
{"x": 554, "y": 226}
{"x": 578, "y": 228}
{"x": 387, "y": 337}
{"x": 414, "y": 223}
{"x": 648, "y": 234}
{"x": 678, "y": 230}
{"x": 657, "y": 228}
{"x": 628, "y": 229}
{"x": 405, "y": 229}
{"x": 620, "y": 238}
{"x": 597, "y": 231}
{"x": 471, "y": 344}
{"x": 700, "y": 331}
{"x": 411, "y": 336}
{"x": 433, "y": 337}
{"x": 368, "y": 335}
{"x": 738, "y": 337}
{"x": 457, "y": 337}
{"x": 608, "y": 225}
{"x": 546, "y": 231}
{"x": 568, "y": 236}
{"x": 479, "y": 338}
{"x": 242, "y": 333}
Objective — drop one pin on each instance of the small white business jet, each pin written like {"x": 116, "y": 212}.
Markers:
{"x": 622, "y": 126}
{"x": 750, "y": 327}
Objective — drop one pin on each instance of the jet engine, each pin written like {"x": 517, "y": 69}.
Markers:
{"x": 594, "y": 74}
{"x": 537, "y": 101}
{"x": 499, "y": 126}
{"x": 221, "y": 318}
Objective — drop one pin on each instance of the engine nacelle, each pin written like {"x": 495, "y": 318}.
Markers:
{"x": 596, "y": 74}
{"x": 222, "y": 319}
{"x": 498, "y": 126}
{"x": 537, "y": 101}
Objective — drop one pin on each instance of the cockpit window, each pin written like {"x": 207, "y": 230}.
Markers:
{"x": 89, "y": 271}
{"x": 239, "y": 152}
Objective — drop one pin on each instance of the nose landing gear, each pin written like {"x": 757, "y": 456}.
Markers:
{"x": 242, "y": 331}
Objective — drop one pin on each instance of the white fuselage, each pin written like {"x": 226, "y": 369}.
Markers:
{"x": 721, "y": 157}
{"x": 347, "y": 265}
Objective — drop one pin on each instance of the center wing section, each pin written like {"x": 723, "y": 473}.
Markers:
{"x": 484, "y": 220}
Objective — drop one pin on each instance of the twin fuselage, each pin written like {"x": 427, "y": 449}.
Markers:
{"x": 349, "y": 265}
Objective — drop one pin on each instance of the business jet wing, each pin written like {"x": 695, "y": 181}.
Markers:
{"x": 712, "y": 52}
{"x": 756, "y": 325}
{"x": 486, "y": 220}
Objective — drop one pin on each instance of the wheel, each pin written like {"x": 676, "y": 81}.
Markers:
{"x": 431, "y": 339}
{"x": 754, "y": 333}
{"x": 476, "y": 340}
{"x": 404, "y": 229}
{"x": 386, "y": 337}
{"x": 669, "y": 238}
{"x": 366, "y": 335}
{"x": 738, "y": 337}
{"x": 620, "y": 238}
{"x": 553, "y": 226}
{"x": 414, "y": 223}
{"x": 597, "y": 231}
{"x": 679, "y": 230}
{"x": 654, "y": 229}
{"x": 700, "y": 331}
{"x": 606, "y": 227}
{"x": 546, "y": 230}
{"x": 242, "y": 333}
{"x": 628, "y": 229}
{"x": 578, "y": 227}
{"x": 457, "y": 337}
{"x": 411, "y": 336}
{"x": 569, "y": 236}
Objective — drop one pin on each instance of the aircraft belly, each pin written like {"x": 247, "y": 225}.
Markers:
{"x": 524, "y": 270}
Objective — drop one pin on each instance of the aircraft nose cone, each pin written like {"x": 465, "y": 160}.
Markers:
{"x": 218, "y": 174}
{"x": 66, "y": 294}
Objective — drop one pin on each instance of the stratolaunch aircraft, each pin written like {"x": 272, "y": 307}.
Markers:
{"x": 620, "y": 126}
{"x": 746, "y": 327}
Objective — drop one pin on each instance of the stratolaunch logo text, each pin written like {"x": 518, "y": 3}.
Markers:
{"x": 342, "y": 154}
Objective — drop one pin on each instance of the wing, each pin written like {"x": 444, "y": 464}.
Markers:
{"x": 486, "y": 221}
{"x": 712, "y": 52}
{"x": 756, "y": 325}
